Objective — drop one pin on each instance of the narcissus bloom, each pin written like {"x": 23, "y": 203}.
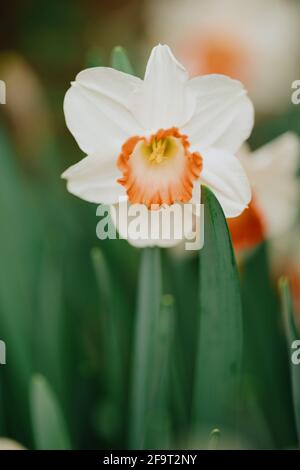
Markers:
{"x": 272, "y": 172}
{"x": 255, "y": 41}
{"x": 155, "y": 141}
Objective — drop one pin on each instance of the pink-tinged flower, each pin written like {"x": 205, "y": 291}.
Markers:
{"x": 155, "y": 141}
{"x": 255, "y": 41}
{"x": 272, "y": 212}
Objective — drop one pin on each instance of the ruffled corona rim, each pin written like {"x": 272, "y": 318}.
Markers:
{"x": 159, "y": 170}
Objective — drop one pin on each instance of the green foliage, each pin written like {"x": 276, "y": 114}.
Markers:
{"x": 113, "y": 347}
{"x": 120, "y": 60}
{"x": 266, "y": 363}
{"x": 219, "y": 351}
{"x": 293, "y": 335}
{"x": 47, "y": 421}
{"x": 145, "y": 344}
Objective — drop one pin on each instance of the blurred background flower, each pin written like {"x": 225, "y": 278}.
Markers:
{"x": 273, "y": 211}
{"x": 9, "y": 444}
{"x": 253, "y": 41}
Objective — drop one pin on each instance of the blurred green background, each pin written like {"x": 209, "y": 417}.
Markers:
{"x": 68, "y": 300}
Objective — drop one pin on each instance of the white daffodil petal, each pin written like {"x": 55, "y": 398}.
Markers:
{"x": 281, "y": 209}
{"x": 278, "y": 157}
{"x": 272, "y": 171}
{"x": 240, "y": 127}
{"x": 225, "y": 176}
{"x": 163, "y": 227}
{"x": 98, "y": 122}
{"x": 224, "y": 114}
{"x": 110, "y": 82}
{"x": 94, "y": 180}
{"x": 164, "y": 100}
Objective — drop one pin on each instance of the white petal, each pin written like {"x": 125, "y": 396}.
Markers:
{"x": 278, "y": 158}
{"x": 224, "y": 114}
{"x": 94, "y": 180}
{"x": 150, "y": 229}
{"x": 279, "y": 205}
{"x": 110, "y": 82}
{"x": 95, "y": 110}
{"x": 164, "y": 100}
{"x": 10, "y": 444}
{"x": 272, "y": 171}
{"x": 225, "y": 176}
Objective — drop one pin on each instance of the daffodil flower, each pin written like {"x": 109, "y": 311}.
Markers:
{"x": 155, "y": 141}
{"x": 232, "y": 37}
{"x": 272, "y": 172}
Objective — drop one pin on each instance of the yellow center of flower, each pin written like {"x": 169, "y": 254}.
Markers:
{"x": 158, "y": 149}
{"x": 160, "y": 169}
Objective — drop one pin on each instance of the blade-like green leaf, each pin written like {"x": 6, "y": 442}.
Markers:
{"x": 183, "y": 275}
{"x": 180, "y": 274}
{"x": 109, "y": 321}
{"x": 158, "y": 430}
{"x": 265, "y": 367}
{"x": 2, "y": 416}
{"x": 120, "y": 61}
{"x": 17, "y": 242}
{"x": 94, "y": 58}
{"x": 146, "y": 339}
{"x": 113, "y": 368}
{"x": 47, "y": 421}
{"x": 49, "y": 360}
{"x": 219, "y": 354}
{"x": 214, "y": 439}
{"x": 293, "y": 335}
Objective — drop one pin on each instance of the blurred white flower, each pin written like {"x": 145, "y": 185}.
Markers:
{"x": 255, "y": 41}
{"x": 10, "y": 444}
{"x": 272, "y": 172}
{"x": 154, "y": 141}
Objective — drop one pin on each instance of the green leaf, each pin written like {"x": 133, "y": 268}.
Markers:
{"x": 48, "y": 423}
{"x": 94, "y": 58}
{"x": 293, "y": 335}
{"x": 219, "y": 352}
{"x": 120, "y": 60}
{"x": 287, "y": 308}
{"x": 109, "y": 322}
{"x": 158, "y": 426}
{"x": 110, "y": 344}
{"x": 146, "y": 340}
{"x": 49, "y": 360}
{"x": 214, "y": 439}
{"x": 2, "y": 415}
{"x": 182, "y": 277}
{"x": 17, "y": 252}
{"x": 266, "y": 372}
